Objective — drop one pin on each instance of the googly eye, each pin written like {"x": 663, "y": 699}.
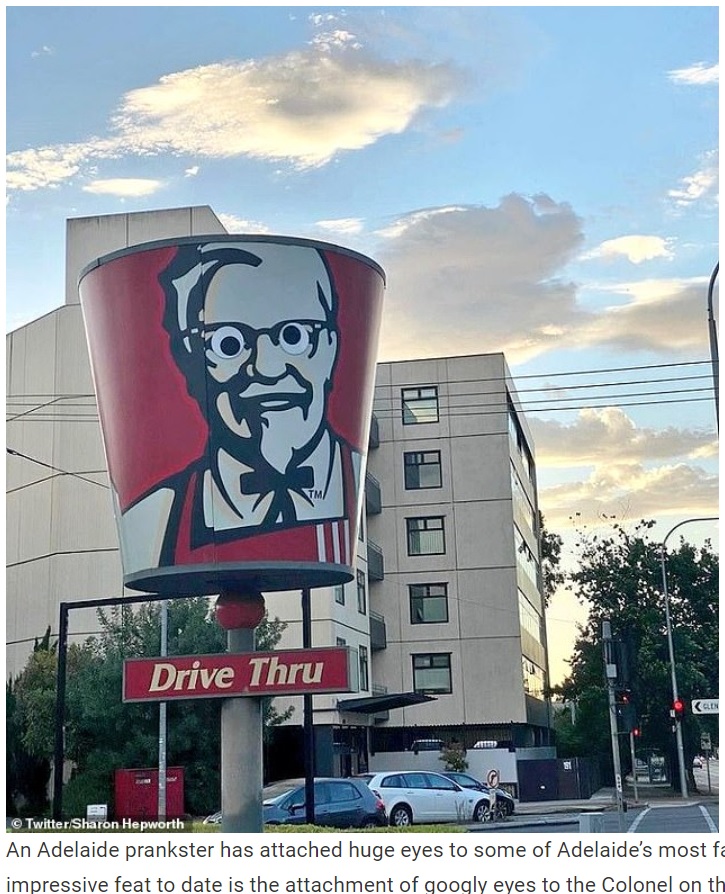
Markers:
{"x": 227, "y": 342}
{"x": 294, "y": 338}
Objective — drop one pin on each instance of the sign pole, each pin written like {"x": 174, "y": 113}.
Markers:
{"x": 241, "y": 723}
{"x": 309, "y": 729}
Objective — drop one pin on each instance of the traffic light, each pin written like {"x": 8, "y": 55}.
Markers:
{"x": 636, "y": 732}
{"x": 623, "y": 696}
{"x": 678, "y": 706}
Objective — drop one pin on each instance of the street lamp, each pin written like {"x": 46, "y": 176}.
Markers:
{"x": 673, "y": 672}
{"x": 712, "y": 328}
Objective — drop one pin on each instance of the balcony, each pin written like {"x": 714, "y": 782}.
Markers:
{"x": 376, "y": 565}
{"x": 374, "y": 437}
{"x": 373, "y": 499}
{"x": 378, "y": 636}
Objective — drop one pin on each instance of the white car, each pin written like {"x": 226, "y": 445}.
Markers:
{"x": 419, "y": 796}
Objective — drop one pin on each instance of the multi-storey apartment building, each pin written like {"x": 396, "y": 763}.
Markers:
{"x": 445, "y": 616}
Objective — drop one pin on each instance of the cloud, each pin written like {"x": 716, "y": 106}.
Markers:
{"x": 43, "y": 51}
{"x": 471, "y": 279}
{"x": 635, "y": 248}
{"x": 698, "y": 75}
{"x": 234, "y": 224}
{"x": 661, "y": 315}
{"x": 345, "y": 225}
{"x": 630, "y": 491}
{"x": 124, "y": 187}
{"x": 255, "y": 108}
{"x": 610, "y": 436}
{"x": 192, "y": 171}
{"x": 702, "y": 185}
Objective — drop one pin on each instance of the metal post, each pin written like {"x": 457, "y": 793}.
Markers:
{"x": 309, "y": 729}
{"x": 610, "y": 671}
{"x": 673, "y": 677}
{"x": 634, "y": 765}
{"x": 59, "y": 744}
{"x": 670, "y": 646}
{"x": 714, "y": 357}
{"x": 162, "y": 717}
{"x": 241, "y": 752}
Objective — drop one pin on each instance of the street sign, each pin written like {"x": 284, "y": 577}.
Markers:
{"x": 493, "y": 778}
{"x": 705, "y": 742}
{"x": 705, "y": 706}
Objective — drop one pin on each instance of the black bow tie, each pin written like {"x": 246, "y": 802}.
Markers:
{"x": 301, "y": 478}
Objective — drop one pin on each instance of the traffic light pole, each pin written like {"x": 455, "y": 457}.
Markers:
{"x": 673, "y": 678}
{"x": 610, "y": 672}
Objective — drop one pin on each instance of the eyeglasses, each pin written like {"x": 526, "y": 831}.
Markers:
{"x": 229, "y": 341}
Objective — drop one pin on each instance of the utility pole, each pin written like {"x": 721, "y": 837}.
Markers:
{"x": 610, "y": 674}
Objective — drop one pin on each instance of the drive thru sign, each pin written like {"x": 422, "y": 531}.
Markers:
{"x": 289, "y": 672}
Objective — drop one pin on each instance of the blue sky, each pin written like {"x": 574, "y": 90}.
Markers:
{"x": 537, "y": 180}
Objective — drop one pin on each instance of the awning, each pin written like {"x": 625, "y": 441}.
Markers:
{"x": 372, "y": 704}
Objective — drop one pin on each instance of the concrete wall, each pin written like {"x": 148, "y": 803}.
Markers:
{"x": 483, "y": 634}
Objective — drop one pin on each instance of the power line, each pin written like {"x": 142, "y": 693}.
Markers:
{"x": 39, "y": 462}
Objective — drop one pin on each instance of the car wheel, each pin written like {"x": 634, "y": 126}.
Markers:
{"x": 400, "y": 815}
{"x": 369, "y": 823}
{"x": 481, "y": 812}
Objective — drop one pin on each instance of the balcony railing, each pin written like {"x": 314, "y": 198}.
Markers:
{"x": 376, "y": 564}
{"x": 373, "y": 499}
{"x": 378, "y": 636}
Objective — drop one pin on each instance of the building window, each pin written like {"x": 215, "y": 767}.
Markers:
{"x": 525, "y": 559}
{"x": 426, "y": 536}
{"x": 530, "y": 619}
{"x": 432, "y": 674}
{"x": 364, "y": 668}
{"x": 428, "y": 603}
{"x": 422, "y": 469}
{"x": 361, "y": 601}
{"x": 340, "y": 642}
{"x": 534, "y": 678}
{"x": 340, "y": 594}
{"x": 420, "y": 405}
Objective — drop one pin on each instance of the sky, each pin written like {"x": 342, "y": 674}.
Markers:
{"x": 535, "y": 180}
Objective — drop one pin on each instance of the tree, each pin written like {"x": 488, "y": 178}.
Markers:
{"x": 619, "y": 579}
{"x": 102, "y": 733}
{"x": 551, "y": 573}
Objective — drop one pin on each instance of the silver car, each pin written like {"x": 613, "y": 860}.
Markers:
{"x": 420, "y": 796}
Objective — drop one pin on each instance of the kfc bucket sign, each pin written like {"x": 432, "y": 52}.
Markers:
{"x": 234, "y": 377}
{"x": 290, "y": 672}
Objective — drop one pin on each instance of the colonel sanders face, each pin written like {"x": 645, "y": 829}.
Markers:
{"x": 270, "y": 344}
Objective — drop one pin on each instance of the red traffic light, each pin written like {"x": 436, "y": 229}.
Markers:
{"x": 636, "y": 732}
{"x": 678, "y": 706}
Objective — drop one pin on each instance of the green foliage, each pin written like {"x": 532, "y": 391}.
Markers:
{"x": 101, "y": 732}
{"x": 454, "y": 757}
{"x": 619, "y": 579}
{"x": 551, "y": 545}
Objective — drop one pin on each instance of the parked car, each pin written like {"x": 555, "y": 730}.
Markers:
{"x": 426, "y": 797}
{"x": 342, "y": 803}
{"x": 504, "y": 800}
{"x": 697, "y": 762}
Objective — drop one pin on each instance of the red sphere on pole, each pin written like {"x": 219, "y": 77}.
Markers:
{"x": 235, "y": 611}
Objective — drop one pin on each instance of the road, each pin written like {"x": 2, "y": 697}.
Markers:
{"x": 697, "y": 819}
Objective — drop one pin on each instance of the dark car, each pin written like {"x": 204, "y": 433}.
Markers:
{"x": 504, "y": 800}
{"x": 343, "y": 803}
